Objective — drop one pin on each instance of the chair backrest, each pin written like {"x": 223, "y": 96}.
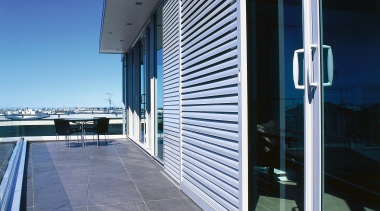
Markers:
{"x": 102, "y": 125}
{"x": 62, "y": 127}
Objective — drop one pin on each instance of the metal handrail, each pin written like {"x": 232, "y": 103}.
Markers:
{"x": 11, "y": 185}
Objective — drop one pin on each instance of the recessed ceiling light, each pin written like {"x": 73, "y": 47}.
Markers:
{"x": 138, "y": 3}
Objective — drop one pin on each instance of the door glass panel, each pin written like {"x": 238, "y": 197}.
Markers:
{"x": 276, "y": 143}
{"x": 142, "y": 58}
{"x": 159, "y": 87}
{"x": 352, "y": 106}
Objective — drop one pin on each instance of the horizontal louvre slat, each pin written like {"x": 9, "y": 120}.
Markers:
{"x": 171, "y": 109}
{"x": 171, "y": 75}
{"x": 212, "y": 108}
{"x": 202, "y": 84}
{"x": 209, "y": 189}
{"x": 206, "y": 17}
{"x": 212, "y": 116}
{"x": 228, "y": 32}
{"x": 170, "y": 124}
{"x": 213, "y": 61}
{"x": 170, "y": 88}
{"x": 221, "y": 100}
{"x": 172, "y": 85}
{"x": 171, "y": 60}
{"x": 171, "y": 103}
{"x": 196, "y": 12}
{"x": 171, "y": 116}
{"x": 232, "y": 126}
{"x": 208, "y": 25}
{"x": 212, "y": 92}
{"x": 187, "y": 8}
{"x": 169, "y": 91}
{"x": 173, "y": 152}
{"x": 171, "y": 170}
{"x": 198, "y": 163}
{"x": 225, "y": 138}
{"x": 172, "y": 140}
{"x": 171, "y": 96}
{"x": 201, "y": 99}
{"x": 216, "y": 68}
{"x": 168, "y": 10}
{"x": 225, "y": 148}
{"x": 188, "y": 182}
{"x": 210, "y": 49}
{"x": 225, "y": 164}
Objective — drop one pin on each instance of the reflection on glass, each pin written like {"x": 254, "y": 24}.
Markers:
{"x": 352, "y": 106}
{"x": 159, "y": 87}
{"x": 142, "y": 58}
{"x": 275, "y": 106}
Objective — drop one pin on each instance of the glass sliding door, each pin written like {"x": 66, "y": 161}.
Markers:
{"x": 159, "y": 100}
{"x": 131, "y": 94}
{"x": 352, "y": 105}
{"x": 143, "y": 97}
{"x": 276, "y": 108}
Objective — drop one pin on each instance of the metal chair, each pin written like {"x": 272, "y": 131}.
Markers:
{"x": 63, "y": 128}
{"x": 100, "y": 127}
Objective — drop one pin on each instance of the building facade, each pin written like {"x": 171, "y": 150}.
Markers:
{"x": 254, "y": 104}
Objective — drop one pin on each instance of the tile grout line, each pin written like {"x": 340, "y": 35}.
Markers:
{"x": 54, "y": 163}
{"x": 118, "y": 155}
{"x": 32, "y": 164}
{"x": 88, "y": 178}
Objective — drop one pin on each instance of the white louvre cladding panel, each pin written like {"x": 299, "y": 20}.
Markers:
{"x": 171, "y": 88}
{"x": 209, "y": 97}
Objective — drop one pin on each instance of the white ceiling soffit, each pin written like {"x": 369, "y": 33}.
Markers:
{"x": 122, "y": 22}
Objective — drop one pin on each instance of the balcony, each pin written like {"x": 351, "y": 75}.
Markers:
{"x": 118, "y": 176}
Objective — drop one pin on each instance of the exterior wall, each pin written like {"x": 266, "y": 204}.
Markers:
{"x": 202, "y": 100}
{"x": 201, "y": 68}
{"x": 171, "y": 78}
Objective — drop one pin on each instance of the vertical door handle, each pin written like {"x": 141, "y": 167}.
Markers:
{"x": 329, "y": 62}
{"x": 296, "y": 69}
{"x": 330, "y": 65}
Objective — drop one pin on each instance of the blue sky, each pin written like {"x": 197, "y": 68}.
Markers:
{"x": 49, "y": 55}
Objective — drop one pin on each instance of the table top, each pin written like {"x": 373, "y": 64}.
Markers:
{"x": 78, "y": 119}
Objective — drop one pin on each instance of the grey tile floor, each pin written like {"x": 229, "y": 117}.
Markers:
{"x": 119, "y": 176}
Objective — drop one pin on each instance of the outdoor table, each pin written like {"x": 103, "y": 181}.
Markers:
{"x": 82, "y": 122}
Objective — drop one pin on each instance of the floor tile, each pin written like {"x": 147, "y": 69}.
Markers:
{"x": 121, "y": 207}
{"x": 110, "y": 187}
{"x": 109, "y": 177}
{"x": 149, "y": 194}
{"x": 113, "y": 198}
{"x": 183, "y": 204}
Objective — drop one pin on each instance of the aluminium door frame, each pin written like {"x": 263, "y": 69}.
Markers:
{"x": 313, "y": 110}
